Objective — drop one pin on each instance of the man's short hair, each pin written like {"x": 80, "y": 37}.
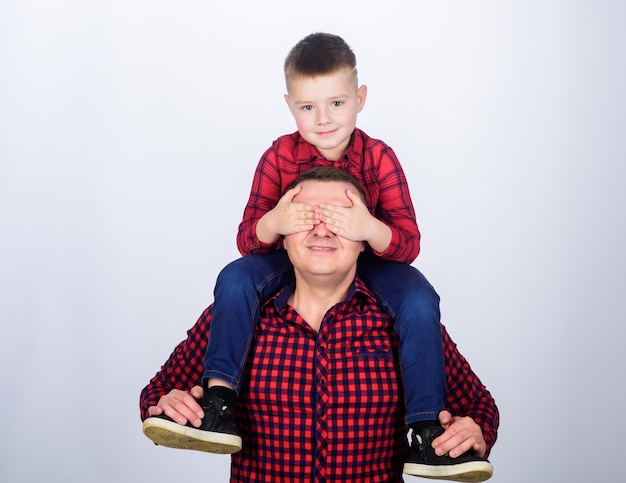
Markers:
{"x": 328, "y": 174}
{"x": 319, "y": 54}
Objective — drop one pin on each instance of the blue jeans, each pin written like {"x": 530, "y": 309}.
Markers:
{"x": 400, "y": 289}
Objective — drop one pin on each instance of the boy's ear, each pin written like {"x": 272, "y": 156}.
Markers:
{"x": 286, "y": 97}
{"x": 361, "y": 95}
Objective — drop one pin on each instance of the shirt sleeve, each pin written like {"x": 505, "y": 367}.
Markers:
{"x": 395, "y": 209}
{"x": 183, "y": 369}
{"x": 264, "y": 194}
{"x": 466, "y": 395}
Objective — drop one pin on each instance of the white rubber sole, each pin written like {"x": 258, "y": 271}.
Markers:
{"x": 173, "y": 435}
{"x": 472, "y": 471}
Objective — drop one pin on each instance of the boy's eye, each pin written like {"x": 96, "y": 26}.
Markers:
{"x": 307, "y": 108}
{"x": 337, "y": 103}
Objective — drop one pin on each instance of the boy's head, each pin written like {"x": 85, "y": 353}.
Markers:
{"x": 319, "y": 54}
{"x": 323, "y": 94}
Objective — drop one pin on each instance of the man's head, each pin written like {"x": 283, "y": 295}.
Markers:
{"x": 323, "y": 93}
{"x": 327, "y": 174}
{"x": 319, "y": 255}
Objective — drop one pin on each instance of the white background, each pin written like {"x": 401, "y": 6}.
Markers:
{"x": 129, "y": 133}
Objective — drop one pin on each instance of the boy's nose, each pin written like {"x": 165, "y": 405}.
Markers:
{"x": 323, "y": 116}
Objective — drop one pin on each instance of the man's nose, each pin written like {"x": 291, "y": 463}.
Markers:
{"x": 322, "y": 230}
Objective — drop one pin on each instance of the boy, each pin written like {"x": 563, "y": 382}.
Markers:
{"x": 324, "y": 97}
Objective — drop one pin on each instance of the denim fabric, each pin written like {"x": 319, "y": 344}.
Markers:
{"x": 406, "y": 295}
{"x": 401, "y": 290}
{"x": 239, "y": 290}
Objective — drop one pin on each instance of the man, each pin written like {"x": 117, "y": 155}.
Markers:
{"x": 323, "y": 396}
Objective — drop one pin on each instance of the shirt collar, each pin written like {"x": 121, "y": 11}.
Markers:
{"x": 305, "y": 152}
{"x": 357, "y": 289}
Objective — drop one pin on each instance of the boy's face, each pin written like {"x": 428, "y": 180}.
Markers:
{"x": 325, "y": 109}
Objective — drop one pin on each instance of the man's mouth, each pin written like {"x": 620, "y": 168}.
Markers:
{"x": 321, "y": 249}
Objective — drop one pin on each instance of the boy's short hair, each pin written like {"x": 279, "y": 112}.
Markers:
{"x": 319, "y": 54}
{"x": 329, "y": 174}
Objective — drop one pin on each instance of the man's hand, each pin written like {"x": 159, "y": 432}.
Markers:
{"x": 181, "y": 406}
{"x": 461, "y": 435}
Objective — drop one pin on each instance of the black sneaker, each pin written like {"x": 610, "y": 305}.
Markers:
{"x": 218, "y": 432}
{"x": 422, "y": 461}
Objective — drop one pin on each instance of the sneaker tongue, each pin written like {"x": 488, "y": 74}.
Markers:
{"x": 226, "y": 394}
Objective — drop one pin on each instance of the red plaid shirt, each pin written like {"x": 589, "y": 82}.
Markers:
{"x": 327, "y": 406}
{"x": 370, "y": 161}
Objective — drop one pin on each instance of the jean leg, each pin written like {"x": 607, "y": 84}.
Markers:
{"x": 239, "y": 290}
{"x": 411, "y": 300}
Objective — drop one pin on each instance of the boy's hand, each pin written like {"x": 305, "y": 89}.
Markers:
{"x": 181, "y": 406}
{"x": 286, "y": 218}
{"x": 461, "y": 435}
{"x": 356, "y": 223}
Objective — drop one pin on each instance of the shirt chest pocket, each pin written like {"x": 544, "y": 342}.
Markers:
{"x": 368, "y": 364}
{"x": 371, "y": 351}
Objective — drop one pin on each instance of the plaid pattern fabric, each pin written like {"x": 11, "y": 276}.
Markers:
{"x": 323, "y": 407}
{"x": 370, "y": 161}
{"x": 338, "y": 389}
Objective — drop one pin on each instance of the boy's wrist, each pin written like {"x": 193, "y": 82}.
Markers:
{"x": 264, "y": 231}
{"x": 381, "y": 237}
